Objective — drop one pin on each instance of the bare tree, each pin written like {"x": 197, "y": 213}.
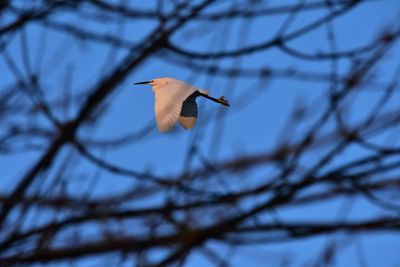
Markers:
{"x": 59, "y": 209}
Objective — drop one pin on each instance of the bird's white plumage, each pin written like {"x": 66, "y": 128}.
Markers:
{"x": 175, "y": 101}
{"x": 187, "y": 122}
{"x": 169, "y": 98}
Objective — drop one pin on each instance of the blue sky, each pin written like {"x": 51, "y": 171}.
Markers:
{"x": 253, "y": 124}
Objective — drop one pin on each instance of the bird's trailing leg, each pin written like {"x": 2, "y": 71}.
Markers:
{"x": 220, "y": 100}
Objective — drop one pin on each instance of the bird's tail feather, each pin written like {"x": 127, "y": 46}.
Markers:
{"x": 203, "y": 91}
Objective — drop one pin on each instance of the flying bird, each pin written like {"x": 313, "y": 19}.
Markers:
{"x": 175, "y": 101}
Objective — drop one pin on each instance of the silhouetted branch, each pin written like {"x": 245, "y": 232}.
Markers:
{"x": 76, "y": 185}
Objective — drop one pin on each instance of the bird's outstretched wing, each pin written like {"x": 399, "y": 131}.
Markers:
{"x": 168, "y": 103}
{"x": 188, "y": 115}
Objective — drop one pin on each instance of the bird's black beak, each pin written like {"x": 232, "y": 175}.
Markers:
{"x": 147, "y": 82}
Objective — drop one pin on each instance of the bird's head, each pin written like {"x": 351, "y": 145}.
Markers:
{"x": 158, "y": 82}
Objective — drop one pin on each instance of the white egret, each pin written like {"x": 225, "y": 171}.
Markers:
{"x": 175, "y": 100}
